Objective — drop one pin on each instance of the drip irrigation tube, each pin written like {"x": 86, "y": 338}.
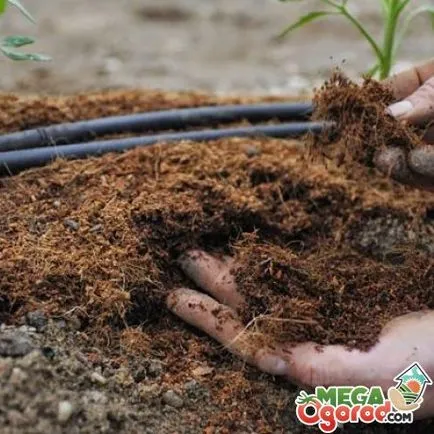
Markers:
{"x": 76, "y": 132}
{"x": 11, "y": 162}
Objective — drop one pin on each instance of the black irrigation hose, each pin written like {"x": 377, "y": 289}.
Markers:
{"x": 176, "y": 119}
{"x": 12, "y": 162}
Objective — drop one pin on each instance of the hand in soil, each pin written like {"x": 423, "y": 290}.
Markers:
{"x": 404, "y": 340}
{"x": 414, "y": 90}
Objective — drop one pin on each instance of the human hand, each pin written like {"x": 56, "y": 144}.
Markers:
{"x": 414, "y": 91}
{"x": 403, "y": 341}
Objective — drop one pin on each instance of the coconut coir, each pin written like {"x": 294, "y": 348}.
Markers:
{"x": 320, "y": 294}
{"x": 333, "y": 258}
{"x": 362, "y": 126}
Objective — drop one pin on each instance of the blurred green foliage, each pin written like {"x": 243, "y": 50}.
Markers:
{"x": 9, "y": 44}
{"x": 397, "y": 16}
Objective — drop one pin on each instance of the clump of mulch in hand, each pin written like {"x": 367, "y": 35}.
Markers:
{"x": 362, "y": 126}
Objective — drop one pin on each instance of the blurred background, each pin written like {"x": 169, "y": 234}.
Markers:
{"x": 224, "y": 46}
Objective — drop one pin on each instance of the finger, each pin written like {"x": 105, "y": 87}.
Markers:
{"x": 421, "y": 161}
{"x": 417, "y": 108}
{"x": 220, "y": 322}
{"x": 404, "y": 327}
{"x": 332, "y": 365}
{"x": 213, "y": 276}
{"x": 401, "y": 342}
{"x": 416, "y": 328}
{"x": 407, "y": 82}
{"x": 428, "y": 137}
{"x": 393, "y": 162}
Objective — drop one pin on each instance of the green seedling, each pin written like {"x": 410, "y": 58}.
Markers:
{"x": 9, "y": 44}
{"x": 397, "y": 16}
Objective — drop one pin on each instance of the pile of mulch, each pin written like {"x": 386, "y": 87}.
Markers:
{"x": 102, "y": 235}
{"x": 19, "y": 113}
{"x": 98, "y": 239}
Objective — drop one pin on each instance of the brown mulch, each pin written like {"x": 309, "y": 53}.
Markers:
{"x": 335, "y": 255}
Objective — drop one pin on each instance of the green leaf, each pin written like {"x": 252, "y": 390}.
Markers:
{"x": 427, "y": 9}
{"x": 16, "y": 55}
{"x": 16, "y": 41}
{"x": 2, "y": 6}
{"x": 403, "y": 5}
{"x": 22, "y": 9}
{"x": 305, "y": 19}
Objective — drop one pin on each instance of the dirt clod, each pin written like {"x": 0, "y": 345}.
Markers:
{"x": 36, "y": 319}
{"x": 64, "y": 412}
{"x": 14, "y": 344}
{"x": 97, "y": 378}
{"x": 171, "y": 398}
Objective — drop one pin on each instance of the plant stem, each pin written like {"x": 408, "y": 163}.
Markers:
{"x": 364, "y": 32}
{"x": 389, "y": 39}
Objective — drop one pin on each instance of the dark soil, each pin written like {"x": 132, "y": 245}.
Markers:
{"x": 93, "y": 244}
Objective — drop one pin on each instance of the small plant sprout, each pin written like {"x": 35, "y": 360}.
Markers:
{"x": 397, "y": 16}
{"x": 9, "y": 44}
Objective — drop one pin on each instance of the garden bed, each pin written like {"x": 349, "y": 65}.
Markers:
{"x": 94, "y": 243}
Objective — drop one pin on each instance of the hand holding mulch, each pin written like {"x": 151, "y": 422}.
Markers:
{"x": 405, "y": 338}
{"x": 291, "y": 335}
{"x": 414, "y": 91}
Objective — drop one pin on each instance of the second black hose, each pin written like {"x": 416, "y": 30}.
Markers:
{"x": 176, "y": 119}
{"x": 12, "y": 162}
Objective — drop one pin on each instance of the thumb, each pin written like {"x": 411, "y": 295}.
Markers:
{"x": 418, "y": 108}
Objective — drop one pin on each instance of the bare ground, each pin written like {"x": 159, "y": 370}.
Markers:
{"x": 217, "y": 45}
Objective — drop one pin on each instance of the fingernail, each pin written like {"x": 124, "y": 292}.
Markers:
{"x": 273, "y": 365}
{"x": 400, "y": 109}
{"x": 172, "y": 299}
{"x": 182, "y": 259}
{"x": 186, "y": 259}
